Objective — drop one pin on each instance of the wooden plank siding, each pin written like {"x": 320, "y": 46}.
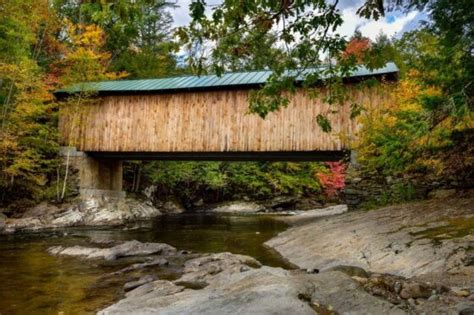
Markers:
{"x": 209, "y": 121}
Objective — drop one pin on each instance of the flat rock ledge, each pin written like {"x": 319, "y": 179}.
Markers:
{"x": 225, "y": 283}
{"x": 131, "y": 248}
{"x": 431, "y": 237}
{"x": 93, "y": 211}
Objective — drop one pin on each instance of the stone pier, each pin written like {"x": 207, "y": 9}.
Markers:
{"x": 95, "y": 177}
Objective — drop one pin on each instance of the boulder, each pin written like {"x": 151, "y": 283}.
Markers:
{"x": 352, "y": 271}
{"x": 238, "y": 207}
{"x": 2, "y": 224}
{"x": 91, "y": 211}
{"x": 131, "y": 248}
{"x": 397, "y": 239}
{"x": 232, "y": 289}
{"x": 159, "y": 288}
{"x": 172, "y": 207}
{"x": 415, "y": 291}
{"x": 441, "y": 193}
{"x": 135, "y": 284}
{"x": 465, "y": 308}
{"x": 42, "y": 209}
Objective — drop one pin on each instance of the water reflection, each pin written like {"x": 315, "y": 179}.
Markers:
{"x": 34, "y": 282}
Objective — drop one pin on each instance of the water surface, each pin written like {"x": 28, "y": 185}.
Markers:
{"x": 34, "y": 282}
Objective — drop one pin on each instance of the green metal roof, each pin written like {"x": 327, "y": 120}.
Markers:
{"x": 204, "y": 82}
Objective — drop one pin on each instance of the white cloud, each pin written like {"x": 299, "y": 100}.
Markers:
{"x": 391, "y": 25}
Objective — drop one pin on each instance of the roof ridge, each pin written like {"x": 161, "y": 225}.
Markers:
{"x": 207, "y": 81}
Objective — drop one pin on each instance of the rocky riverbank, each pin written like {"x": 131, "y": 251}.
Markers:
{"x": 109, "y": 211}
{"x": 225, "y": 283}
{"x": 93, "y": 211}
{"x": 430, "y": 243}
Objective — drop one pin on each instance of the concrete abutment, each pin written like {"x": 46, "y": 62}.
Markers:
{"x": 95, "y": 177}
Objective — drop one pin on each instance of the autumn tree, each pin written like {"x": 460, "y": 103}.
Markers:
{"x": 28, "y": 134}
{"x": 357, "y": 47}
{"x": 137, "y": 33}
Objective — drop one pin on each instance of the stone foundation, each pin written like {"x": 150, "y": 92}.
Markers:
{"x": 93, "y": 177}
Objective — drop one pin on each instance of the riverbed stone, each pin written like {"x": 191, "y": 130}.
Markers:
{"x": 135, "y": 284}
{"x": 303, "y": 217}
{"x": 90, "y": 211}
{"x": 238, "y": 207}
{"x": 395, "y": 239}
{"x": 464, "y": 308}
{"x": 131, "y": 248}
{"x": 157, "y": 262}
{"x": 158, "y": 287}
{"x": 350, "y": 271}
{"x": 259, "y": 290}
{"x": 415, "y": 291}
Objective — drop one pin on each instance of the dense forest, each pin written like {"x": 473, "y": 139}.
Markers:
{"x": 47, "y": 45}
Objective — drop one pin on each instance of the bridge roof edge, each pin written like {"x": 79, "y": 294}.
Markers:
{"x": 205, "y": 82}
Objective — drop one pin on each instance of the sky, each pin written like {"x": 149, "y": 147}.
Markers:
{"x": 393, "y": 24}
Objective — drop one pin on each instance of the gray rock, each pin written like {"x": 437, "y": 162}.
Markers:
{"x": 91, "y": 211}
{"x": 415, "y": 290}
{"x": 303, "y": 217}
{"x": 352, "y": 271}
{"x": 397, "y": 287}
{"x": 263, "y": 290}
{"x": 388, "y": 240}
{"x": 465, "y": 308}
{"x": 173, "y": 207}
{"x": 131, "y": 248}
{"x": 159, "y": 288}
{"x": 441, "y": 193}
{"x": 238, "y": 207}
{"x": 134, "y": 284}
{"x": 42, "y": 209}
{"x": 152, "y": 263}
{"x": 2, "y": 224}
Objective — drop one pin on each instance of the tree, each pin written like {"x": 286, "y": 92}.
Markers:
{"x": 85, "y": 61}
{"x": 357, "y": 47}
{"x": 137, "y": 33}
{"x": 308, "y": 30}
{"x": 28, "y": 133}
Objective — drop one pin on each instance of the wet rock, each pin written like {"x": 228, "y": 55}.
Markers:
{"x": 465, "y": 308}
{"x": 281, "y": 202}
{"x": 360, "y": 280}
{"x": 2, "y": 224}
{"x": 159, "y": 288}
{"x": 134, "y": 284}
{"x": 42, "y": 209}
{"x": 153, "y": 263}
{"x": 173, "y": 207}
{"x": 397, "y": 287}
{"x": 238, "y": 207}
{"x": 395, "y": 240}
{"x": 461, "y": 292}
{"x": 264, "y": 290}
{"x": 302, "y": 217}
{"x": 350, "y": 271}
{"x": 90, "y": 211}
{"x": 441, "y": 193}
{"x": 415, "y": 290}
{"x": 131, "y": 248}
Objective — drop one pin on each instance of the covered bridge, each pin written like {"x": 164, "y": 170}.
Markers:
{"x": 202, "y": 118}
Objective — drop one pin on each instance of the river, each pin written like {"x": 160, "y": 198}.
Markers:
{"x": 35, "y": 282}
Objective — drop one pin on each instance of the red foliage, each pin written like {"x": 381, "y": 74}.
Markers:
{"x": 333, "y": 181}
{"x": 357, "y": 47}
